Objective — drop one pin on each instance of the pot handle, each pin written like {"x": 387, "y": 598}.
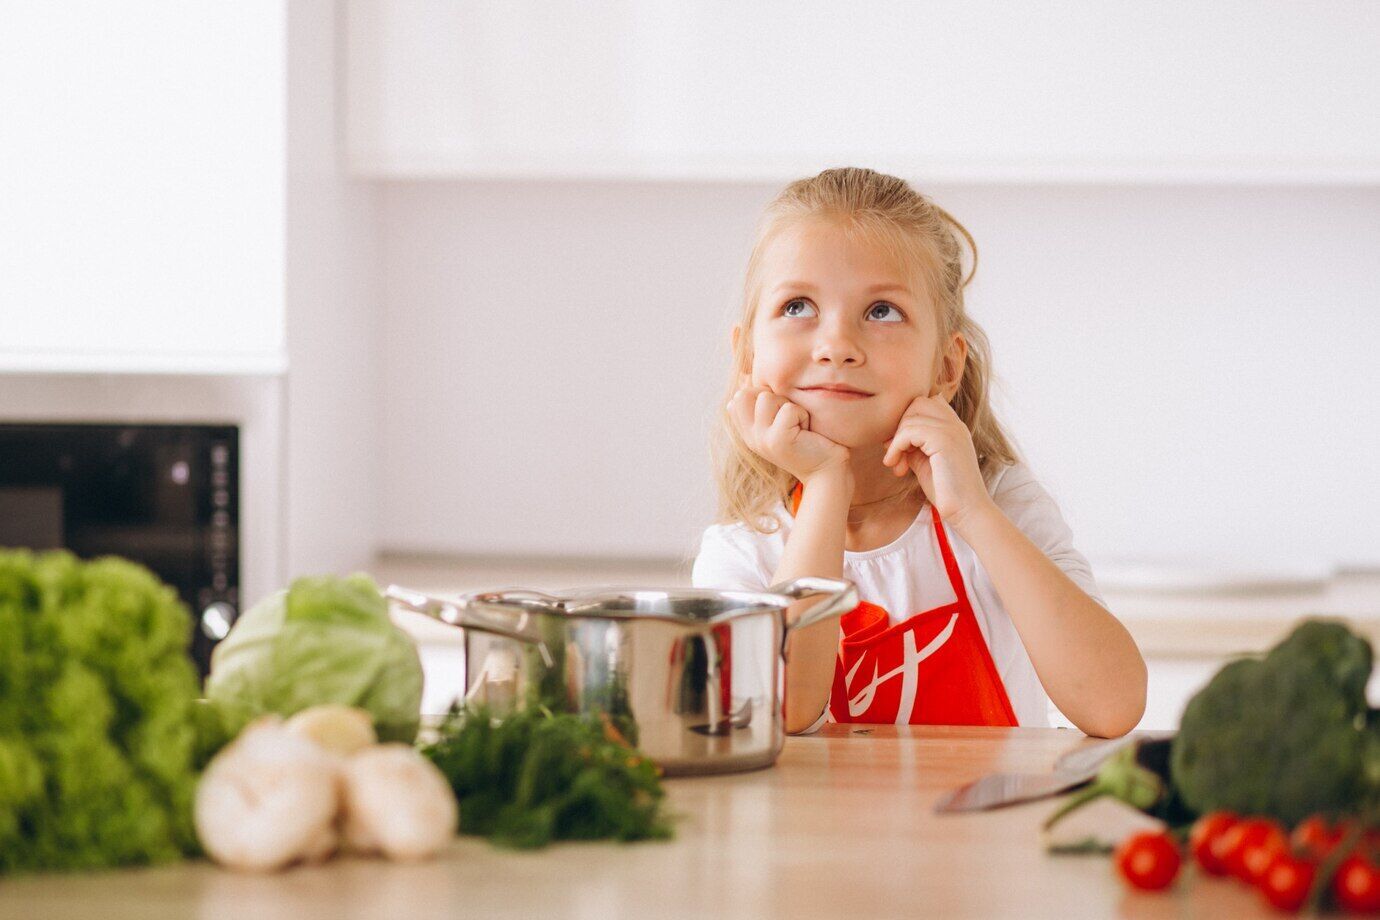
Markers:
{"x": 844, "y": 599}
{"x": 466, "y": 614}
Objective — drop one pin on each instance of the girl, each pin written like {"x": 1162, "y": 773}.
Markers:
{"x": 858, "y": 443}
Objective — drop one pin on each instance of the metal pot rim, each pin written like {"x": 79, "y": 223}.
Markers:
{"x": 585, "y": 603}
{"x": 511, "y": 612}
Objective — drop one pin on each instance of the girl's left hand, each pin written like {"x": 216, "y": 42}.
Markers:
{"x": 932, "y": 442}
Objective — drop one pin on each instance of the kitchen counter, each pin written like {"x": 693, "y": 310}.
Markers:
{"x": 841, "y": 826}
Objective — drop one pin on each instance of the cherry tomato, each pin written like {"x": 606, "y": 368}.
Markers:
{"x": 1226, "y": 846}
{"x": 1314, "y": 837}
{"x": 1205, "y": 833}
{"x": 1148, "y": 860}
{"x": 1257, "y": 855}
{"x": 1357, "y": 885}
{"x": 1286, "y": 881}
{"x": 1258, "y": 837}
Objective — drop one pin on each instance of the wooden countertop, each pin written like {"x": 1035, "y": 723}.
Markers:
{"x": 841, "y": 826}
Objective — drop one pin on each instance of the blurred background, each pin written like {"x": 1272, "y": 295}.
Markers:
{"x": 442, "y": 290}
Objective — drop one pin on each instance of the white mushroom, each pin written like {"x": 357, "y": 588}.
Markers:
{"x": 397, "y": 802}
{"x": 340, "y": 729}
{"x": 323, "y": 846}
{"x": 268, "y": 799}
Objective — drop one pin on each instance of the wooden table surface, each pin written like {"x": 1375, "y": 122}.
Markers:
{"x": 842, "y": 826}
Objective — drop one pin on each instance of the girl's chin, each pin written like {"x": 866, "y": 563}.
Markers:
{"x": 852, "y": 438}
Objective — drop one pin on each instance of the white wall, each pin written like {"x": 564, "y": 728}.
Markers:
{"x": 548, "y": 364}
{"x": 956, "y": 90}
{"x": 333, "y": 318}
{"x": 141, "y": 183}
{"x": 1189, "y": 368}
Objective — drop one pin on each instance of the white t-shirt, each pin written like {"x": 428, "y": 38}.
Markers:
{"x": 907, "y": 576}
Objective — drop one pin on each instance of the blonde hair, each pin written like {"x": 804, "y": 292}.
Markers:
{"x": 918, "y": 234}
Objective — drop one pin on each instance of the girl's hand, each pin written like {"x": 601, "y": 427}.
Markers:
{"x": 778, "y": 430}
{"x": 933, "y": 443}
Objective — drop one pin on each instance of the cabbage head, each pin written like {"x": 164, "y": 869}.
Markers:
{"x": 323, "y": 640}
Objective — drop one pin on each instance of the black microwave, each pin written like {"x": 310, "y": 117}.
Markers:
{"x": 166, "y": 496}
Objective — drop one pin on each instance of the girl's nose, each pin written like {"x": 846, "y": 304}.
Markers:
{"x": 835, "y": 346}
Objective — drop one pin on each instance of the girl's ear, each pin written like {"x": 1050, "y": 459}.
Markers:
{"x": 955, "y": 361}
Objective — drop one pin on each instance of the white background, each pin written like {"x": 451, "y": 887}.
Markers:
{"x": 1177, "y": 208}
{"x": 142, "y": 202}
{"x": 1188, "y": 367}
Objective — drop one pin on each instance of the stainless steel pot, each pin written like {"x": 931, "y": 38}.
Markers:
{"x": 691, "y": 676}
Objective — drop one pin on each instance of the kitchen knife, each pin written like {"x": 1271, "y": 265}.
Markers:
{"x": 1072, "y": 769}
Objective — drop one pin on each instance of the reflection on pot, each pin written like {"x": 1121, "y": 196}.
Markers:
{"x": 701, "y": 668}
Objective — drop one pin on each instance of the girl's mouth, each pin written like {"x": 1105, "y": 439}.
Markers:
{"x": 836, "y": 394}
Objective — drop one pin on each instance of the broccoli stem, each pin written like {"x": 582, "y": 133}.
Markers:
{"x": 1120, "y": 776}
{"x": 1090, "y": 792}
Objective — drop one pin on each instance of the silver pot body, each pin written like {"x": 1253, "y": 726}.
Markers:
{"x": 692, "y": 677}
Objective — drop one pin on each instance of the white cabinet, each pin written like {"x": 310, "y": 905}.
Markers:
{"x": 939, "y": 91}
{"x": 142, "y": 151}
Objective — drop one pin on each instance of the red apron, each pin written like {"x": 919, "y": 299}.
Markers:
{"x": 933, "y": 668}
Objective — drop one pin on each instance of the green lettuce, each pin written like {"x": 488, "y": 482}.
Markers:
{"x": 323, "y": 640}
{"x": 97, "y": 734}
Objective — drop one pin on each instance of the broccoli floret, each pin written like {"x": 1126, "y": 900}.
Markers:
{"x": 1327, "y": 651}
{"x": 1284, "y": 735}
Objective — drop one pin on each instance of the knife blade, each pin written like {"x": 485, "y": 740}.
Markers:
{"x": 1072, "y": 769}
{"x": 998, "y": 789}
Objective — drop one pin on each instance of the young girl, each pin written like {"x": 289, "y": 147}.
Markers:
{"x": 858, "y": 443}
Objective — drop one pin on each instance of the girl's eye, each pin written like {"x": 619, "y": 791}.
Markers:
{"x": 878, "y": 311}
{"x": 896, "y": 314}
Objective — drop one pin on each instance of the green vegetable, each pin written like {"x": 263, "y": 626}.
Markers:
{"x": 1122, "y": 777}
{"x": 1119, "y": 777}
{"x": 1284, "y": 736}
{"x": 536, "y": 776}
{"x": 323, "y": 640}
{"x": 97, "y": 740}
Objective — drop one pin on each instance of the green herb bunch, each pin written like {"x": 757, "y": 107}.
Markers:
{"x": 536, "y": 776}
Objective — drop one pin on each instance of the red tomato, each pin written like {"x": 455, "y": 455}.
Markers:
{"x": 1148, "y": 860}
{"x": 1223, "y": 848}
{"x": 1247, "y": 846}
{"x": 1257, "y": 855}
{"x": 1286, "y": 881}
{"x": 1315, "y": 838}
{"x": 1205, "y": 834}
{"x": 1357, "y": 885}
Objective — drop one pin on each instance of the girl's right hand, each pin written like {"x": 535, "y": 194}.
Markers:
{"x": 778, "y": 430}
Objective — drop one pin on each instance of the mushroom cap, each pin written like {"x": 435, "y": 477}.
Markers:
{"x": 397, "y": 802}
{"x": 336, "y": 728}
{"x": 266, "y": 799}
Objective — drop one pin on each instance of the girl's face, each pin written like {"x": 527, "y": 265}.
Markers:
{"x": 835, "y": 310}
